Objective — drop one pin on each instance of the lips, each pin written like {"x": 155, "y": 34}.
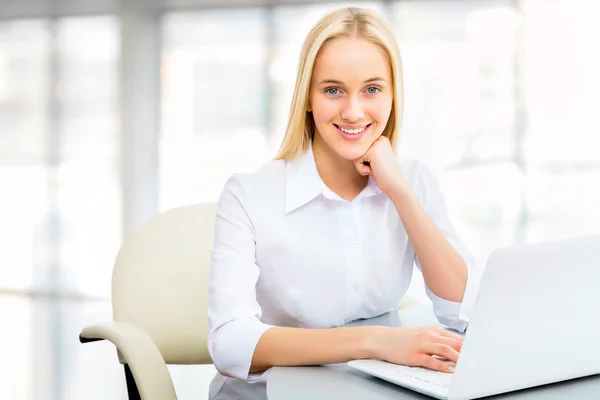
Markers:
{"x": 352, "y": 132}
{"x": 352, "y": 129}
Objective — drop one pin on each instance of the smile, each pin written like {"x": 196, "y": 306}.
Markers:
{"x": 352, "y": 133}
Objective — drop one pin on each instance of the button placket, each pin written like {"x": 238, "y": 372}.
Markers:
{"x": 355, "y": 262}
{"x": 350, "y": 248}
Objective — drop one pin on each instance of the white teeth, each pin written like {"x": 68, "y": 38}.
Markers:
{"x": 353, "y": 131}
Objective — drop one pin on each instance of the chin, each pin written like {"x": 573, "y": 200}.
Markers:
{"x": 347, "y": 149}
{"x": 352, "y": 152}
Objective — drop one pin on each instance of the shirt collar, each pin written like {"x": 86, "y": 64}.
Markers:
{"x": 371, "y": 189}
{"x": 303, "y": 183}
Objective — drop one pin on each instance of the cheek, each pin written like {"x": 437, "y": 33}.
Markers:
{"x": 324, "y": 110}
{"x": 381, "y": 109}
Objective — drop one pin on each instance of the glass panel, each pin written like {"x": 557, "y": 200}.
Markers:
{"x": 88, "y": 88}
{"x": 459, "y": 80}
{"x": 25, "y": 254}
{"x": 42, "y": 359}
{"x": 16, "y": 369}
{"x": 486, "y": 206}
{"x": 562, "y": 203}
{"x": 61, "y": 368}
{"x": 88, "y": 186}
{"x": 24, "y": 83}
{"x": 563, "y": 82}
{"x": 24, "y": 88}
{"x": 214, "y": 96}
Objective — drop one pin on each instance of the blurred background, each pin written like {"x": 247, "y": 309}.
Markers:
{"x": 114, "y": 110}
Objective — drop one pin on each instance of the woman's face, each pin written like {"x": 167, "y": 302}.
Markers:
{"x": 350, "y": 96}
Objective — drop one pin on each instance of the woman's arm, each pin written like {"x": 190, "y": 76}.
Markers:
{"x": 240, "y": 343}
{"x": 450, "y": 273}
{"x": 297, "y": 346}
{"x": 407, "y": 346}
{"x": 444, "y": 270}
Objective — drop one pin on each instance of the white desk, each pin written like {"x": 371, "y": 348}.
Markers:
{"x": 342, "y": 382}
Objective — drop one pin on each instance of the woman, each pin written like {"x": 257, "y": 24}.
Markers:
{"x": 329, "y": 231}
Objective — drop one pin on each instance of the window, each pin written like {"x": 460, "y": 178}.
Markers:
{"x": 24, "y": 87}
{"x": 214, "y": 102}
{"x": 88, "y": 194}
{"x": 461, "y": 111}
{"x": 561, "y": 142}
{"x": 58, "y": 154}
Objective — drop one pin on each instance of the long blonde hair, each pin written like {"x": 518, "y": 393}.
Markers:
{"x": 344, "y": 22}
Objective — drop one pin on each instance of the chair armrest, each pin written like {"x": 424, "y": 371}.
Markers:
{"x": 409, "y": 301}
{"x": 137, "y": 349}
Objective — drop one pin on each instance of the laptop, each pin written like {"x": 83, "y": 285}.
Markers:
{"x": 536, "y": 320}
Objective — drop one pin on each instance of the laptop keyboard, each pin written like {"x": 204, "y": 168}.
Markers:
{"x": 402, "y": 373}
{"x": 439, "y": 379}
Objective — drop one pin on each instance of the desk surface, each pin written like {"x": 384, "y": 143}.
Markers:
{"x": 342, "y": 382}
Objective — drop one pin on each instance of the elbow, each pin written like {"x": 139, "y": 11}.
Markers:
{"x": 450, "y": 314}
{"x": 453, "y": 319}
{"x": 217, "y": 356}
{"x": 232, "y": 345}
{"x": 230, "y": 354}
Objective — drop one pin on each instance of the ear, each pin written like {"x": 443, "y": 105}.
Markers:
{"x": 309, "y": 107}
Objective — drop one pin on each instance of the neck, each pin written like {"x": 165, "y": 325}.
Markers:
{"x": 338, "y": 174}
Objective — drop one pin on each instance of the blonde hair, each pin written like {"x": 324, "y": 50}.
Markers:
{"x": 344, "y": 22}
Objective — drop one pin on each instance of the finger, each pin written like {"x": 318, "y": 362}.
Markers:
{"x": 362, "y": 168}
{"x": 443, "y": 350}
{"x": 435, "y": 364}
{"x": 454, "y": 343}
{"x": 443, "y": 332}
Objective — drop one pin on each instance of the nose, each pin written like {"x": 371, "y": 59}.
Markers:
{"x": 353, "y": 110}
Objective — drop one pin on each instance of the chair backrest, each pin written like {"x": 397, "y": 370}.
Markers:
{"x": 160, "y": 281}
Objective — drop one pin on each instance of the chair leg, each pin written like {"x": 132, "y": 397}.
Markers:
{"x": 132, "y": 390}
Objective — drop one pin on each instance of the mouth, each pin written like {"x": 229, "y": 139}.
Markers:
{"x": 353, "y": 133}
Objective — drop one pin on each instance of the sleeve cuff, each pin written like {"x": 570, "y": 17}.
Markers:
{"x": 473, "y": 281}
{"x": 234, "y": 345}
{"x": 453, "y": 314}
{"x": 256, "y": 377}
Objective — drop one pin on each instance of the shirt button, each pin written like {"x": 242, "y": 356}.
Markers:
{"x": 353, "y": 244}
{"x": 355, "y": 287}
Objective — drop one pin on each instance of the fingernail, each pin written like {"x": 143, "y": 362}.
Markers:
{"x": 451, "y": 369}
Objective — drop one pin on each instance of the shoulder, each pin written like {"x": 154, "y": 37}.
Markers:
{"x": 265, "y": 182}
{"x": 421, "y": 179}
{"x": 417, "y": 172}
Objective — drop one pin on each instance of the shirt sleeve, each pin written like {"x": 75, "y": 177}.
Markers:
{"x": 452, "y": 314}
{"x": 233, "y": 312}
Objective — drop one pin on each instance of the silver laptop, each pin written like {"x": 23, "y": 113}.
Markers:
{"x": 536, "y": 320}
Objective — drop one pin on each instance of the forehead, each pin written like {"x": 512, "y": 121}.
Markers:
{"x": 350, "y": 59}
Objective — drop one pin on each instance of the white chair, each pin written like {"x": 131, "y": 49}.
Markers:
{"x": 159, "y": 300}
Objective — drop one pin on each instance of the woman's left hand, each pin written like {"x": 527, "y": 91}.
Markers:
{"x": 382, "y": 164}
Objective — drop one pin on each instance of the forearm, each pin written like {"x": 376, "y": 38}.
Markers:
{"x": 297, "y": 346}
{"x": 444, "y": 270}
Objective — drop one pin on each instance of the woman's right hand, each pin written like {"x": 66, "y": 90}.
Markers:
{"x": 416, "y": 347}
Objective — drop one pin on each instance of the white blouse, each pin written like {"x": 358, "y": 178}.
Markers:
{"x": 288, "y": 251}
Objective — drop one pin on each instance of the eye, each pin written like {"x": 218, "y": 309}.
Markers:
{"x": 332, "y": 91}
{"x": 373, "y": 90}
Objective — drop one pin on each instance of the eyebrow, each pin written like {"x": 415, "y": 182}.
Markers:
{"x": 334, "y": 82}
